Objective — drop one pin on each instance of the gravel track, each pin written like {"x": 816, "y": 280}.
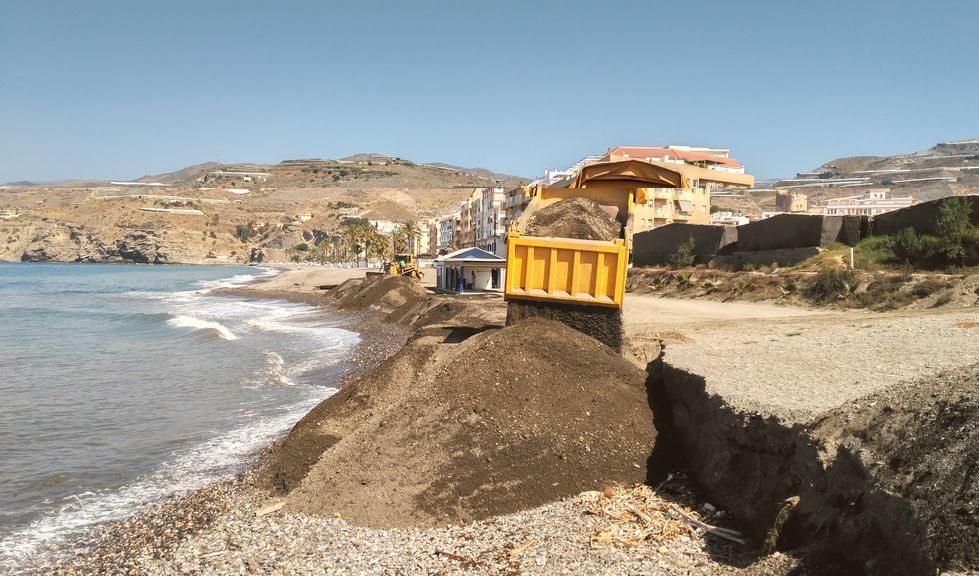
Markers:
{"x": 797, "y": 368}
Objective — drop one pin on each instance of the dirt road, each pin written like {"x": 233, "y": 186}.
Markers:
{"x": 645, "y": 310}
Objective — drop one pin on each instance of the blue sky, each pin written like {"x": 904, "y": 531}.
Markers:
{"x": 119, "y": 89}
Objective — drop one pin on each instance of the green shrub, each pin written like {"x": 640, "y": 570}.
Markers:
{"x": 684, "y": 256}
{"x": 787, "y": 286}
{"x": 885, "y": 293}
{"x": 954, "y": 228}
{"x": 943, "y": 299}
{"x": 912, "y": 248}
{"x": 831, "y": 283}
{"x": 301, "y": 247}
{"x": 930, "y": 286}
{"x": 741, "y": 286}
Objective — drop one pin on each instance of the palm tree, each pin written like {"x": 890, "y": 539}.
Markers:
{"x": 355, "y": 231}
{"x": 375, "y": 243}
{"x": 411, "y": 233}
{"x": 399, "y": 241}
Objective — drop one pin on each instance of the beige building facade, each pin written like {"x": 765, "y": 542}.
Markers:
{"x": 670, "y": 205}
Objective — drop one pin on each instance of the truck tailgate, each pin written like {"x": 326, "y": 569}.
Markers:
{"x": 590, "y": 272}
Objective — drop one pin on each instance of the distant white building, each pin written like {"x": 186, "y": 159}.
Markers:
{"x": 552, "y": 177}
{"x": 875, "y": 201}
{"x": 384, "y": 226}
{"x": 447, "y": 230}
{"x": 491, "y": 222}
{"x": 728, "y": 219}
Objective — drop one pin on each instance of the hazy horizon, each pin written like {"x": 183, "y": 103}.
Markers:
{"x": 120, "y": 90}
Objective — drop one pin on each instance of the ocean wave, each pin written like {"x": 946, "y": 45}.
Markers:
{"x": 236, "y": 281}
{"x": 206, "y": 462}
{"x": 198, "y": 324}
{"x": 275, "y": 369}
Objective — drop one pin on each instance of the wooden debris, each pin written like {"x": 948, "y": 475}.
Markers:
{"x": 466, "y": 561}
{"x": 270, "y": 508}
{"x": 517, "y": 551}
{"x": 637, "y": 515}
{"x": 771, "y": 539}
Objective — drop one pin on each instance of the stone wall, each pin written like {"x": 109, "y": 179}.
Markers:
{"x": 922, "y": 217}
{"x": 655, "y": 247}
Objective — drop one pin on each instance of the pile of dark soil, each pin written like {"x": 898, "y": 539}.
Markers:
{"x": 448, "y": 433}
{"x": 385, "y": 291}
{"x": 919, "y": 441}
{"x": 579, "y": 218}
{"x": 602, "y": 324}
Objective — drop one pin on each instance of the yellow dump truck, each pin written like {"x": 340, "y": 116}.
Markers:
{"x": 581, "y": 282}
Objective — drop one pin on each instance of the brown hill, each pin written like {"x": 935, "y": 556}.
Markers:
{"x": 220, "y": 212}
{"x": 946, "y": 169}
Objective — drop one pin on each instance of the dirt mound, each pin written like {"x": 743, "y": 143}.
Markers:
{"x": 505, "y": 420}
{"x": 385, "y": 291}
{"x": 579, "y": 218}
{"x": 919, "y": 441}
{"x": 602, "y": 324}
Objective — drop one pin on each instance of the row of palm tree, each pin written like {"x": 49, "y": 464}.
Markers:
{"x": 358, "y": 238}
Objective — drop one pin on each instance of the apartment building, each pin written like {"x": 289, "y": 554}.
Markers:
{"x": 468, "y": 220}
{"x": 448, "y": 225}
{"x": 491, "y": 221}
{"x": 875, "y": 201}
{"x": 718, "y": 159}
{"x": 788, "y": 201}
{"x": 668, "y": 205}
{"x": 728, "y": 218}
{"x": 515, "y": 203}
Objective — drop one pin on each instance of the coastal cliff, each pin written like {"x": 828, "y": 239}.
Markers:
{"x": 68, "y": 243}
{"x": 72, "y": 244}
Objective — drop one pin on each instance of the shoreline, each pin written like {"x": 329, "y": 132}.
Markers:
{"x": 233, "y": 525}
{"x": 248, "y": 524}
{"x": 155, "y": 527}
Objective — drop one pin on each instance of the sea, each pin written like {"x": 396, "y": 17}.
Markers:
{"x": 122, "y": 385}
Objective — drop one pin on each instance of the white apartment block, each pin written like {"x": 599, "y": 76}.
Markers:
{"x": 384, "y": 226}
{"x": 874, "y": 202}
{"x": 447, "y": 230}
{"x": 491, "y": 221}
{"x": 726, "y": 218}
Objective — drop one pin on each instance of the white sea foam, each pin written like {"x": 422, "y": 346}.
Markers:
{"x": 198, "y": 324}
{"x": 236, "y": 281}
{"x": 275, "y": 369}
{"x": 312, "y": 341}
{"x": 219, "y": 457}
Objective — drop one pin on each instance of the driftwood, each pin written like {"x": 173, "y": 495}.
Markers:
{"x": 725, "y": 533}
{"x": 270, "y": 508}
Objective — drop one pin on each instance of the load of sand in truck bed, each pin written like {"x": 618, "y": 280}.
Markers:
{"x": 579, "y": 218}
{"x": 448, "y": 432}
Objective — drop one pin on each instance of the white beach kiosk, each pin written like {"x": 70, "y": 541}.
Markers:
{"x": 470, "y": 269}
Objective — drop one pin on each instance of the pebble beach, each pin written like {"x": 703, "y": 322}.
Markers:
{"x": 237, "y": 526}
